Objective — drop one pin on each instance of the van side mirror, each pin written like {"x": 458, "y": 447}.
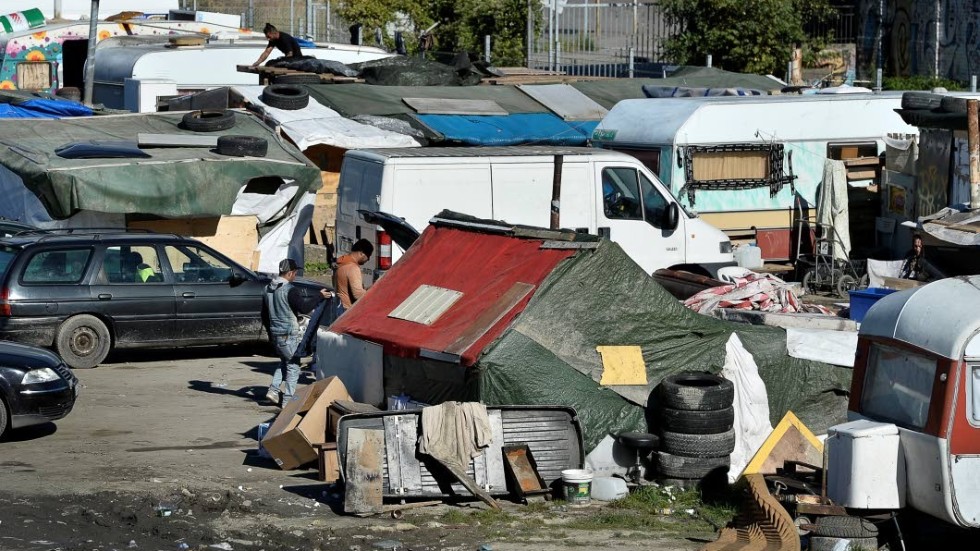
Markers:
{"x": 672, "y": 216}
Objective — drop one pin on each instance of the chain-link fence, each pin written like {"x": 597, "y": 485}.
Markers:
{"x": 288, "y": 16}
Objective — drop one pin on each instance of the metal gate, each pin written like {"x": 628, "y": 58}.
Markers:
{"x": 616, "y": 39}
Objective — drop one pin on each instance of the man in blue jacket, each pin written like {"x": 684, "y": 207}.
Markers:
{"x": 283, "y": 302}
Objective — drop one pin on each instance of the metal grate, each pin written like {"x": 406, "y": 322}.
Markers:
{"x": 426, "y": 304}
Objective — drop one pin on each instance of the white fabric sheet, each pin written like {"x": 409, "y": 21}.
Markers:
{"x": 265, "y": 207}
{"x": 822, "y": 345}
{"x": 318, "y": 124}
{"x": 880, "y": 269}
{"x": 274, "y": 246}
{"x": 751, "y": 405}
{"x": 832, "y": 207}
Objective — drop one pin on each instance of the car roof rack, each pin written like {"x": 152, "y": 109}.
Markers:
{"x": 88, "y": 232}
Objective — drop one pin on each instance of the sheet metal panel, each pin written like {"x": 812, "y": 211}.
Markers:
{"x": 565, "y": 101}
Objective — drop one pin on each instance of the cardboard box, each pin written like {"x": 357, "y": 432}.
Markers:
{"x": 302, "y": 423}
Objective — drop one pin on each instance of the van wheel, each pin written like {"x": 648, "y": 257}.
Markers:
{"x": 208, "y": 121}
{"x": 83, "y": 341}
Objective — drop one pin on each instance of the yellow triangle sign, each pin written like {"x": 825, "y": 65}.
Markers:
{"x": 790, "y": 440}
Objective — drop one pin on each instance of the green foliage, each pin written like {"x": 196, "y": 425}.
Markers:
{"x": 919, "y": 82}
{"x": 316, "y": 268}
{"x": 755, "y": 36}
{"x": 462, "y": 23}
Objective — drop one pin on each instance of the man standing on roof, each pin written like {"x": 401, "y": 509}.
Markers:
{"x": 286, "y": 43}
{"x": 347, "y": 276}
{"x": 283, "y": 302}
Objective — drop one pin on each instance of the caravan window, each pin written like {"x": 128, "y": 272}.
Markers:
{"x": 621, "y": 194}
{"x": 898, "y": 386}
{"x": 34, "y": 75}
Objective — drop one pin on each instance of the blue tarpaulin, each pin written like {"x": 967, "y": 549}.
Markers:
{"x": 517, "y": 129}
{"x": 40, "y": 108}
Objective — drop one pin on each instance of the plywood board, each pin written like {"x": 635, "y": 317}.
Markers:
{"x": 438, "y": 106}
{"x": 622, "y": 365}
{"x": 364, "y": 471}
{"x": 404, "y": 469}
{"x": 489, "y": 317}
{"x": 233, "y": 236}
{"x": 325, "y": 208}
{"x": 144, "y": 139}
{"x": 34, "y": 76}
{"x": 790, "y": 440}
{"x": 730, "y": 165}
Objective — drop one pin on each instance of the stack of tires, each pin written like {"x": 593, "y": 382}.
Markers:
{"x": 694, "y": 417}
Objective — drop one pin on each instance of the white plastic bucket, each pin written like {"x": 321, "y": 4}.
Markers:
{"x": 577, "y": 486}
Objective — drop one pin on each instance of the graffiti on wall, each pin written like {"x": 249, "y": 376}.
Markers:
{"x": 921, "y": 37}
{"x": 932, "y": 171}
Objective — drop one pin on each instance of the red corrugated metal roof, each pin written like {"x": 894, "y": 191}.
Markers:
{"x": 484, "y": 267}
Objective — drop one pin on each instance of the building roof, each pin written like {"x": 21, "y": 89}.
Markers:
{"x": 942, "y": 317}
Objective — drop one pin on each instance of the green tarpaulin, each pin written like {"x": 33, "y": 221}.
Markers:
{"x": 364, "y": 99}
{"x": 172, "y": 182}
{"x": 548, "y": 355}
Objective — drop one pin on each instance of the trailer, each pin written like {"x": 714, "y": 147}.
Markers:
{"x": 742, "y": 162}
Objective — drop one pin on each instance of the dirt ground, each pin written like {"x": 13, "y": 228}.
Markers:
{"x": 159, "y": 454}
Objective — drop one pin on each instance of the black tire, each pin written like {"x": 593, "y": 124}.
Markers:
{"x": 953, "y": 104}
{"x": 4, "y": 419}
{"x": 696, "y": 391}
{"x": 697, "y": 422}
{"x": 846, "y": 283}
{"x": 83, "y": 341}
{"x": 921, "y": 100}
{"x": 845, "y": 527}
{"x": 821, "y": 543}
{"x": 243, "y": 146}
{"x": 208, "y": 121}
{"x": 809, "y": 283}
{"x": 678, "y": 466}
{"x": 70, "y": 93}
{"x": 698, "y": 445}
{"x": 298, "y": 78}
{"x": 285, "y": 96}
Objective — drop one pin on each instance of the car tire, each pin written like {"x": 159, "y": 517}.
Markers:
{"x": 845, "y": 527}
{"x": 697, "y": 422}
{"x": 243, "y": 146}
{"x": 822, "y": 543}
{"x": 696, "y": 391}
{"x": 208, "y": 121}
{"x": 679, "y": 466}
{"x": 921, "y": 100}
{"x": 285, "y": 96}
{"x": 83, "y": 341}
{"x": 4, "y": 418}
{"x": 698, "y": 445}
{"x": 953, "y": 104}
{"x": 297, "y": 78}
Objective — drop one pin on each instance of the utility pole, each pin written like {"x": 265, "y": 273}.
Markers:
{"x": 309, "y": 18}
{"x": 93, "y": 38}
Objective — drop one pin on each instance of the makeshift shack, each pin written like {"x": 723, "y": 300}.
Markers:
{"x": 479, "y": 310}
{"x": 111, "y": 181}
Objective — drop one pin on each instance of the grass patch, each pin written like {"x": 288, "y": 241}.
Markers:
{"x": 716, "y": 510}
{"x": 618, "y": 520}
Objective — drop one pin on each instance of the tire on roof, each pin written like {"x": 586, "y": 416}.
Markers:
{"x": 243, "y": 146}
{"x": 286, "y": 96}
{"x": 297, "y": 78}
{"x": 208, "y": 121}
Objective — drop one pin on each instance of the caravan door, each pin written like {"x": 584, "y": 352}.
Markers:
{"x": 634, "y": 212}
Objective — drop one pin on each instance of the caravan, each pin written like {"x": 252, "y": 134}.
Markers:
{"x": 742, "y": 163}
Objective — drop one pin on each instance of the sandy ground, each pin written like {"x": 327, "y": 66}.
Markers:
{"x": 159, "y": 453}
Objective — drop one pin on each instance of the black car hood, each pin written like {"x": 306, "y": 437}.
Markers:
{"x": 27, "y": 357}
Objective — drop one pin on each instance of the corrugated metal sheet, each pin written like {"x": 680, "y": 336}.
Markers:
{"x": 426, "y": 304}
{"x": 565, "y": 101}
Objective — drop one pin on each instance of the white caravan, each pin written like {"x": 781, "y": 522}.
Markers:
{"x": 602, "y": 192}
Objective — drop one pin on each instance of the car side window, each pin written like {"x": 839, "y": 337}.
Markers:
{"x": 197, "y": 265}
{"x": 654, "y": 204}
{"x": 132, "y": 264}
{"x": 621, "y": 194}
{"x": 62, "y": 266}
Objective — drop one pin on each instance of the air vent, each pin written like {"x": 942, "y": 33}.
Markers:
{"x": 426, "y": 304}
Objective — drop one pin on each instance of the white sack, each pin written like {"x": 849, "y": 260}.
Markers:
{"x": 879, "y": 269}
{"x": 751, "y": 405}
{"x": 822, "y": 345}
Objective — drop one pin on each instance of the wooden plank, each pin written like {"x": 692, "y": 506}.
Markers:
{"x": 863, "y": 161}
{"x": 469, "y": 484}
{"x": 495, "y": 455}
{"x": 439, "y": 106}
{"x": 861, "y": 174}
{"x": 365, "y": 477}
{"x": 144, "y": 139}
{"x": 404, "y": 469}
{"x": 954, "y": 226}
{"x": 489, "y": 317}
{"x": 392, "y": 456}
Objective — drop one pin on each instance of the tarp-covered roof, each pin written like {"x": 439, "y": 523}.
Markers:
{"x": 30, "y": 105}
{"x": 358, "y": 99}
{"x": 526, "y": 128}
{"x": 544, "y": 350}
{"x": 318, "y": 124}
{"x": 456, "y": 259}
{"x": 171, "y": 182}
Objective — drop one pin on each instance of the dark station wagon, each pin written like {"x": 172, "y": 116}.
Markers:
{"x": 85, "y": 292}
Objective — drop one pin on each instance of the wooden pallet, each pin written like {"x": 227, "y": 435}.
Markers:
{"x": 268, "y": 74}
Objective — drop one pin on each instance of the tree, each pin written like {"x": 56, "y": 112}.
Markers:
{"x": 753, "y": 36}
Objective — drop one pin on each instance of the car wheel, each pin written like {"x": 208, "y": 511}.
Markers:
{"x": 4, "y": 419}
{"x": 285, "y": 96}
{"x": 698, "y": 445}
{"x": 208, "y": 121}
{"x": 83, "y": 341}
{"x": 243, "y": 146}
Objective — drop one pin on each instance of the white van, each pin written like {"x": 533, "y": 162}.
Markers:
{"x": 602, "y": 192}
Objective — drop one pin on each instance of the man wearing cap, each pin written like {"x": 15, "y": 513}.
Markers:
{"x": 283, "y": 301}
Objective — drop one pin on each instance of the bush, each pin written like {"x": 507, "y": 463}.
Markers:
{"x": 920, "y": 82}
